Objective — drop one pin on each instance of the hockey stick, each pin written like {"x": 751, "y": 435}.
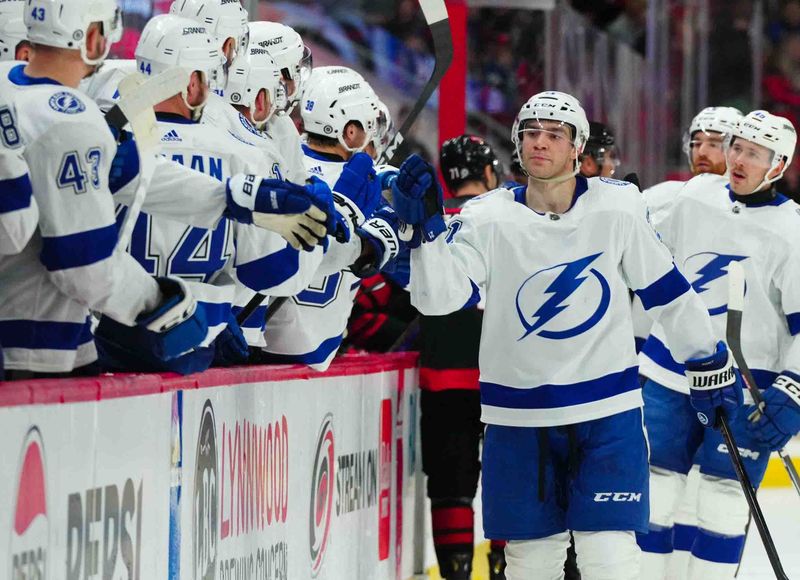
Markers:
{"x": 733, "y": 333}
{"x": 436, "y": 17}
{"x": 750, "y": 496}
{"x": 135, "y": 108}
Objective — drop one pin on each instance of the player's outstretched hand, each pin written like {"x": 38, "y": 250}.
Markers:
{"x": 778, "y": 420}
{"x": 715, "y": 386}
{"x": 380, "y": 232}
{"x": 417, "y": 198}
{"x": 175, "y": 327}
{"x": 357, "y": 192}
{"x": 302, "y": 214}
{"x": 230, "y": 347}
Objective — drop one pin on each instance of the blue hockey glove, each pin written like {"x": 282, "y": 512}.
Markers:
{"x": 417, "y": 197}
{"x": 125, "y": 165}
{"x": 399, "y": 269}
{"x": 779, "y": 419}
{"x": 302, "y": 214}
{"x": 231, "y": 346}
{"x": 715, "y": 387}
{"x": 173, "y": 329}
{"x": 380, "y": 232}
{"x": 357, "y": 192}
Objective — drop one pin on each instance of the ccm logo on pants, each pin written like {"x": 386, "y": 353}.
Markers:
{"x": 745, "y": 453}
{"x": 617, "y": 496}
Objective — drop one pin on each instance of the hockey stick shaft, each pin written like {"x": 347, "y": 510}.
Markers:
{"x": 736, "y": 285}
{"x": 752, "y": 501}
{"x": 435, "y": 13}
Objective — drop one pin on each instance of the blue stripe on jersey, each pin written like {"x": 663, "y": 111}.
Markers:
{"x": 271, "y": 270}
{"x": 44, "y": 334}
{"x": 17, "y": 76}
{"x": 355, "y": 285}
{"x": 81, "y": 249}
{"x": 316, "y": 356}
{"x": 657, "y": 540}
{"x": 764, "y": 378}
{"x": 794, "y": 323}
{"x": 216, "y": 312}
{"x": 16, "y": 193}
{"x": 658, "y": 352}
{"x": 717, "y": 548}
{"x": 256, "y": 319}
{"x": 557, "y": 396}
{"x": 474, "y": 298}
{"x": 581, "y": 186}
{"x": 664, "y": 290}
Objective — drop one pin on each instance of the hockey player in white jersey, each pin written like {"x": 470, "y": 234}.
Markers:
{"x": 293, "y": 58}
{"x": 702, "y": 145}
{"x": 72, "y": 264}
{"x": 210, "y": 258}
{"x": 14, "y": 43}
{"x": 308, "y": 328}
{"x": 564, "y": 448}
{"x": 19, "y": 214}
{"x": 712, "y": 222}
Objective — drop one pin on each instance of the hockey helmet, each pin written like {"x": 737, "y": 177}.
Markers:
{"x": 332, "y": 100}
{"x": 553, "y": 106}
{"x": 464, "y": 158}
{"x": 775, "y": 133}
{"x": 223, "y": 19}
{"x": 12, "y": 28}
{"x": 64, "y": 23}
{"x": 248, "y": 75}
{"x": 289, "y": 52}
{"x": 722, "y": 120}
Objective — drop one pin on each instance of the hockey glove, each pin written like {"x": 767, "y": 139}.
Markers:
{"x": 357, "y": 192}
{"x": 125, "y": 165}
{"x": 302, "y": 215}
{"x": 380, "y": 232}
{"x": 715, "y": 387}
{"x": 417, "y": 197}
{"x": 779, "y": 418}
{"x": 174, "y": 328}
{"x": 231, "y": 346}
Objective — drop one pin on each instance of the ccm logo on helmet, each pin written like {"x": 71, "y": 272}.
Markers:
{"x": 619, "y": 496}
{"x": 351, "y": 87}
{"x": 194, "y": 30}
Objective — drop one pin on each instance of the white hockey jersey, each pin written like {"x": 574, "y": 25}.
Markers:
{"x": 19, "y": 213}
{"x": 557, "y": 339}
{"x": 707, "y": 229}
{"x": 214, "y": 258}
{"x": 71, "y": 264}
{"x": 308, "y": 328}
{"x": 102, "y": 85}
{"x": 659, "y": 198}
{"x": 282, "y": 130}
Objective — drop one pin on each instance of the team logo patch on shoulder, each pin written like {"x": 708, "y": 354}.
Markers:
{"x": 611, "y": 181}
{"x": 67, "y": 103}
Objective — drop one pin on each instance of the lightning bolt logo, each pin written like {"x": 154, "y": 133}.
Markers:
{"x": 714, "y": 268}
{"x": 565, "y": 284}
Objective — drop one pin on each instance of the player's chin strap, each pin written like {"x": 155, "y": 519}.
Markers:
{"x": 773, "y": 167}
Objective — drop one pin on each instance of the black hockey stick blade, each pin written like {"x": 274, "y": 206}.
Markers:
{"x": 436, "y": 16}
{"x": 733, "y": 334}
{"x": 752, "y": 501}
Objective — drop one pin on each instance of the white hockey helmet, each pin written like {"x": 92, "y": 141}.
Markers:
{"x": 775, "y": 133}
{"x": 721, "y": 120}
{"x": 222, "y": 18}
{"x": 553, "y": 106}
{"x": 12, "y": 28}
{"x": 64, "y": 23}
{"x": 248, "y": 75}
{"x": 334, "y": 98}
{"x": 287, "y": 49}
{"x": 170, "y": 41}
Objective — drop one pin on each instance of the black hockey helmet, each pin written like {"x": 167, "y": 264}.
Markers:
{"x": 601, "y": 141}
{"x": 464, "y": 158}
